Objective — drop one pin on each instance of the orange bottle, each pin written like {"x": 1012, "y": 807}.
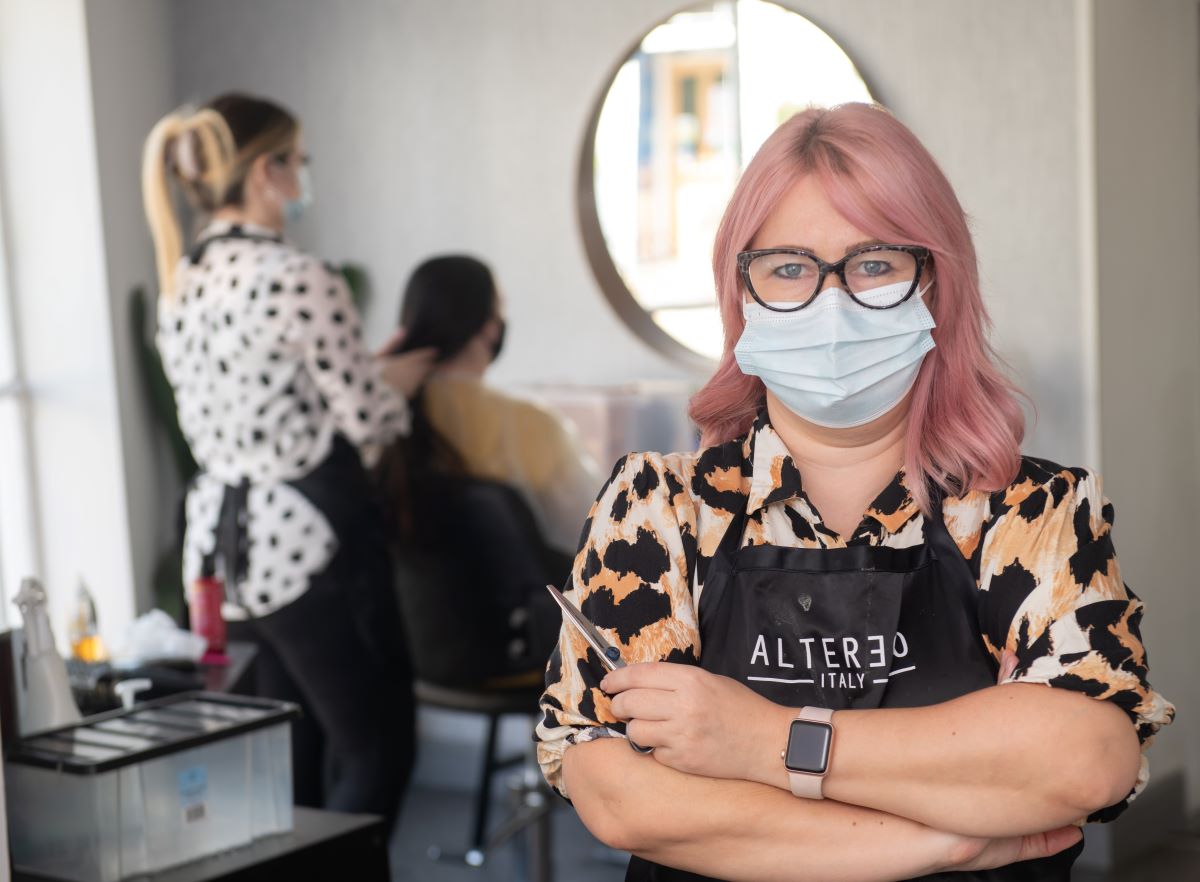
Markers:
{"x": 83, "y": 632}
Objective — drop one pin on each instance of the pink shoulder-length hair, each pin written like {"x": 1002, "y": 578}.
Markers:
{"x": 965, "y": 426}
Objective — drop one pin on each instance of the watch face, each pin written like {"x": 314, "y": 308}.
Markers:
{"x": 808, "y": 747}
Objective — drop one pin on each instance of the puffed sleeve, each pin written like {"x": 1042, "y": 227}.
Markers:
{"x": 1053, "y": 595}
{"x": 631, "y": 578}
{"x": 364, "y": 407}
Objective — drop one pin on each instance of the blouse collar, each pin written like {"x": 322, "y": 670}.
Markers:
{"x": 774, "y": 477}
{"x": 217, "y": 228}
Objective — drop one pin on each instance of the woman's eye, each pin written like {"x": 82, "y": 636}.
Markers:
{"x": 875, "y": 267}
{"x": 790, "y": 271}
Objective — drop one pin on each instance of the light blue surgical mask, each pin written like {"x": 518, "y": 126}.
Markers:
{"x": 837, "y": 363}
{"x": 294, "y": 208}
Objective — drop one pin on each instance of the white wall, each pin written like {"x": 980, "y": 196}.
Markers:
{"x": 58, "y": 278}
{"x": 450, "y": 124}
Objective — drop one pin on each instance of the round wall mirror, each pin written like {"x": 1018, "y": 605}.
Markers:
{"x": 681, "y": 117}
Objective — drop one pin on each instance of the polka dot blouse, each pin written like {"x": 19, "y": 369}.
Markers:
{"x": 263, "y": 347}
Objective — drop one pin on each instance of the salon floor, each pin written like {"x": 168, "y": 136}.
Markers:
{"x": 1177, "y": 860}
{"x": 442, "y": 818}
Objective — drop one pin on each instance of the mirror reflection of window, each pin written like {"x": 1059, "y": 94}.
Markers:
{"x": 682, "y": 117}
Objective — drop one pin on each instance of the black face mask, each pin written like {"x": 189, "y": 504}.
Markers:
{"x": 499, "y": 344}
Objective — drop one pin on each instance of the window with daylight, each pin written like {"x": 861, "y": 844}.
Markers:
{"x": 18, "y": 525}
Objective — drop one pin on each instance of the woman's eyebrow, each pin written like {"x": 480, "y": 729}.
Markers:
{"x": 847, "y": 250}
{"x": 856, "y": 245}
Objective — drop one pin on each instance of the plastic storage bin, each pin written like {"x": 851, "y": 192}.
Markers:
{"x": 139, "y": 790}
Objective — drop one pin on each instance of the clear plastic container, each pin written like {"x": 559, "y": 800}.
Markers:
{"x": 158, "y": 785}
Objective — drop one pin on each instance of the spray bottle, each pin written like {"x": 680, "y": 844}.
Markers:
{"x": 44, "y": 699}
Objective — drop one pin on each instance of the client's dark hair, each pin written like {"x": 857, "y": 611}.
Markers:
{"x": 447, "y": 301}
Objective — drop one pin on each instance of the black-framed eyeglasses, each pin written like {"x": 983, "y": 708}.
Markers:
{"x": 875, "y": 276}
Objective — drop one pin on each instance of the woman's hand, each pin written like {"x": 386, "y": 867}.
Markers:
{"x": 974, "y": 853}
{"x": 701, "y": 723}
{"x": 405, "y": 373}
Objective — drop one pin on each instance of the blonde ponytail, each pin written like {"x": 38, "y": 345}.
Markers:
{"x": 199, "y": 151}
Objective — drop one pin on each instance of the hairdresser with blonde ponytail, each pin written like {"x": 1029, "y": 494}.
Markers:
{"x": 282, "y": 405}
{"x": 866, "y": 638}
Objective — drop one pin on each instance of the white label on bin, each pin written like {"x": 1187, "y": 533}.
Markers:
{"x": 193, "y": 789}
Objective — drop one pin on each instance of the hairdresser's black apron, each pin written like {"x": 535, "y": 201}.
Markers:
{"x": 361, "y": 568}
{"x": 855, "y": 627}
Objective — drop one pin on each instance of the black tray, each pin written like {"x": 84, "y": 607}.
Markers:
{"x": 152, "y": 729}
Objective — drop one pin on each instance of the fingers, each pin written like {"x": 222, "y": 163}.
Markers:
{"x": 414, "y": 357}
{"x": 667, "y": 676}
{"x": 1039, "y": 845}
{"x": 408, "y": 371}
{"x": 643, "y": 704}
{"x": 647, "y": 733}
{"x": 986, "y": 854}
{"x": 425, "y": 355}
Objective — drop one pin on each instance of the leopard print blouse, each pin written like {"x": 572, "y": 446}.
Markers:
{"x": 1040, "y": 549}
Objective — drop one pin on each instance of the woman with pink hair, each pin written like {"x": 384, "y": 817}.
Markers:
{"x": 834, "y": 613}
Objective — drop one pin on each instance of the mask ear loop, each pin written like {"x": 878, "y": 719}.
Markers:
{"x": 932, "y": 277}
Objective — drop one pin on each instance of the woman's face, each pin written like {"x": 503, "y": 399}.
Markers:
{"x": 493, "y": 331}
{"x": 288, "y": 171}
{"x": 276, "y": 180}
{"x": 805, "y": 218}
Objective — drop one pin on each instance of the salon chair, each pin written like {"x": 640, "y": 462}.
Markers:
{"x": 481, "y": 626}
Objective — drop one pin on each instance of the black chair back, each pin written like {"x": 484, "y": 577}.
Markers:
{"x": 472, "y": 584}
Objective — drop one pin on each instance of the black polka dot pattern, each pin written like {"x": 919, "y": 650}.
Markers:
{"x": 252, "y": 343}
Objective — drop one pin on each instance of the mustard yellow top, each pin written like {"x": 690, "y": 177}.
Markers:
{"x": 516, "y": 441}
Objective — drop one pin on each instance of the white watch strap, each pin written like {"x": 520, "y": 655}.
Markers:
{"x": 806, "y": 785}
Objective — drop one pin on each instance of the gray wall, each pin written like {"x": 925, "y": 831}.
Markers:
{"x": 1148, "y": 174}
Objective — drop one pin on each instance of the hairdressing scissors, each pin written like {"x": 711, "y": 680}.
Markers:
{"x": 610, "y": 656}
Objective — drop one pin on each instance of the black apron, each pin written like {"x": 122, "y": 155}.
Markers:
{"x": 338, "y": 487}
{"x": 855, "y": 627}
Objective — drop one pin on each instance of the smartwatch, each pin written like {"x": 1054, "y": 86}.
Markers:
{"x": 809, "y": 745}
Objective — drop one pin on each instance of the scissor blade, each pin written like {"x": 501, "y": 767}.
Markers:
{"x": 609, "y": 655}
